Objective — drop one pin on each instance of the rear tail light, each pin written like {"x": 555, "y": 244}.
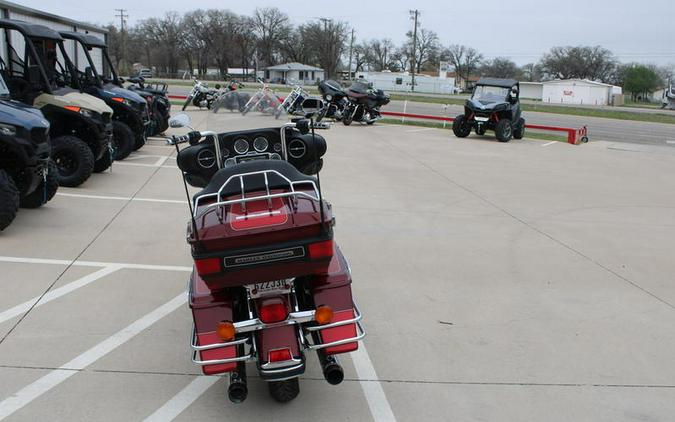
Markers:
{"x": 321, "y": 249}
{"x": 273, "y": 311}
{"x": 279, "y": 355}
{"x": 207, "y": 266}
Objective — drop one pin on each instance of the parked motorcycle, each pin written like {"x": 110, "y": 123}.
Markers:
{"x": 231, "y": 98}
{"x": 292, "y": 104}
{"x": 201, "y": 95}
{"x": 335, "y": 98}
{"x": 364, "y": 103}
{"x": 269, "y": 283}
{"x": 264, "y": 101}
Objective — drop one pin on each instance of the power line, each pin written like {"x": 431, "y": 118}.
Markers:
{"x": 123, "y": 17}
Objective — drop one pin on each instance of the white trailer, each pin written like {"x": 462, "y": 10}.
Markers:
{"x": 402, "y": 82}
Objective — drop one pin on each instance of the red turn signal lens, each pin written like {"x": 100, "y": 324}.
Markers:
{"x": 73, "y": 108}
{"x": 226, "y": 330}
{"x": 279, "y": 355}
{"x": 321, "y": 249}
{"x": 272, "y": 312}
{"x": 118, "y": 99}
{"x": 323, "y": 314}
{"x": 207, "y": 266}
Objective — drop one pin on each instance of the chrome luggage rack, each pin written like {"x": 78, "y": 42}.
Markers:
{"x": 268, "y": 196}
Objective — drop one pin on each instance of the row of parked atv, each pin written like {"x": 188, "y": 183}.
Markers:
{"x": 59, "y": 123}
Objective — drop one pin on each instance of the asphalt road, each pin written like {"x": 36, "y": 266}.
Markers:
{"x": 599, "y": 128}
{"x": 528, "y": 281}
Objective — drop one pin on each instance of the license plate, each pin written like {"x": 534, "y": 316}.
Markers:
{"x": 269, "y": 288}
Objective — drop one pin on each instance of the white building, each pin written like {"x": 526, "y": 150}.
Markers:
{"x": 531, "y": 90}
{"x": 292, "y": 73}
{"x": 579, "y": 91}
{"x": 11, "y": 10}
{"x": 402, "y": 82}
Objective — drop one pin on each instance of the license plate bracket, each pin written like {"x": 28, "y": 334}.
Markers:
{"x": 269, "y": 288}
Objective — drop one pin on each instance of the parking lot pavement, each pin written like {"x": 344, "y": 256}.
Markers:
{"x": 520, "y": 281}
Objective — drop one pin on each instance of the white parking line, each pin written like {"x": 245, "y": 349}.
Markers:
{"x": 182, "y": 400}
{"x": 57, "y": 293}
{"x": 420, "y": 130}
{"x": 372, "y": 389}
{"x": 21, "y": 260}
{"x": 124, "y": 163}
{"x": 123, "y": 198}
{"x": 37, "y": 388}
{"x": 549, "y": 143}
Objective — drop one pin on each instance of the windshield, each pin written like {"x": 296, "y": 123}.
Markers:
{"x": 490, "y": 94}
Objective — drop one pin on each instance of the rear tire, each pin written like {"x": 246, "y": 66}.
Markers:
{"x": 460, "y": 127}
{"x": 74, "y": 160}
{"x": 9, "y": 200}
{"x": 37, "y": 198}
{"x": 504, "y": 130}
{"x": 124, "y": 140}
{"x": 519, "y": 130}
{"x": 284, "y": 391}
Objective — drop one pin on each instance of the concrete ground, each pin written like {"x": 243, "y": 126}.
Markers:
{"x": 528, "y": 281}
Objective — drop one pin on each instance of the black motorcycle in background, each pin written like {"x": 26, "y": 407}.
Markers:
{"x": 335, "y": 99}
{"x": 364, "y": 103}
{"x": 201, "y": 95}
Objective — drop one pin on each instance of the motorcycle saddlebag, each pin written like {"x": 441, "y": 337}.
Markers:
{"x": 334, "y": 289}
{"x": 208, "y": 309}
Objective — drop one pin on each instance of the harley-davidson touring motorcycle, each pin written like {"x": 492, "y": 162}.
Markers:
{"x": 364, "y": 103}
{"x": 335, "y": 99}
{"x": 201, "y": 95}
{"x": 269, "y": 283}
{"x": 293, "y": 103}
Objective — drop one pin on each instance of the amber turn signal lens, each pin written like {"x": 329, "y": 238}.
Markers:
{"x": 225, "y": 330}
{"x": 323, "y": 314}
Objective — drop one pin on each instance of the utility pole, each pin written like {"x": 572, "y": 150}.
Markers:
{"x": 123, "y": 17}
{"x": 414, "y": 14}
{"x": 351, "y": 50}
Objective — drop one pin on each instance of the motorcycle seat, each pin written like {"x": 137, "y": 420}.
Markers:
{"x": 254, "y": 183}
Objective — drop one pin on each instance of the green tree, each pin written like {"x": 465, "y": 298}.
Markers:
{"x": 639, "y": 79}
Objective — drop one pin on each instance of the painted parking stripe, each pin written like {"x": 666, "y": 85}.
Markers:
{"x": 549, "y": 143}
{"x": 123, "y": 198}
{"x": 372, "y": 388}
{"x": 181, "y": 401}
{"x": 37, "y": 388}
{"x": 56, "y": 293}
{"x": 151, "y": 267}
{"x": 166, "y": 166}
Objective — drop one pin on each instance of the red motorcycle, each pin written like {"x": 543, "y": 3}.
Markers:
{"x": 269, "y": 283}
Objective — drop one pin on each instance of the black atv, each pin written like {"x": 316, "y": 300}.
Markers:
{"x": 130, "y": 110}
{"x": 494, "y": 105}
{"x": 41, "y": 75}
{"x": 28, "y": 178}
{"x": 157, "y": 96}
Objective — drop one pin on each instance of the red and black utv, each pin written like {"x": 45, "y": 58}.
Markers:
{"x": 269, "y": 283}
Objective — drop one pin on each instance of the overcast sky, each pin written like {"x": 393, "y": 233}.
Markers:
{"x": 520, "y": 29}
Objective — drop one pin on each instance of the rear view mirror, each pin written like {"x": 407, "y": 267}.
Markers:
{"x": 180, "y": 120}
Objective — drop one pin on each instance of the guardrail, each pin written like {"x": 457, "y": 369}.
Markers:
{"x": 574, "y": 136}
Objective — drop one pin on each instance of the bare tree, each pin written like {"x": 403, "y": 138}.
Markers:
{"x": 500, "y": 67}
{"x": 464, "y": 59}
{"x": 594, "y": 63}
{"x": 379, "y": 53}
{"x": 165, "y": 31}
{"x": 426, "y": 49}
{"x": 271, "y": 26}
{"x": 531, "y": 72}
{"x": 327, "y": 40}
{"x": 294, "y": 47}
